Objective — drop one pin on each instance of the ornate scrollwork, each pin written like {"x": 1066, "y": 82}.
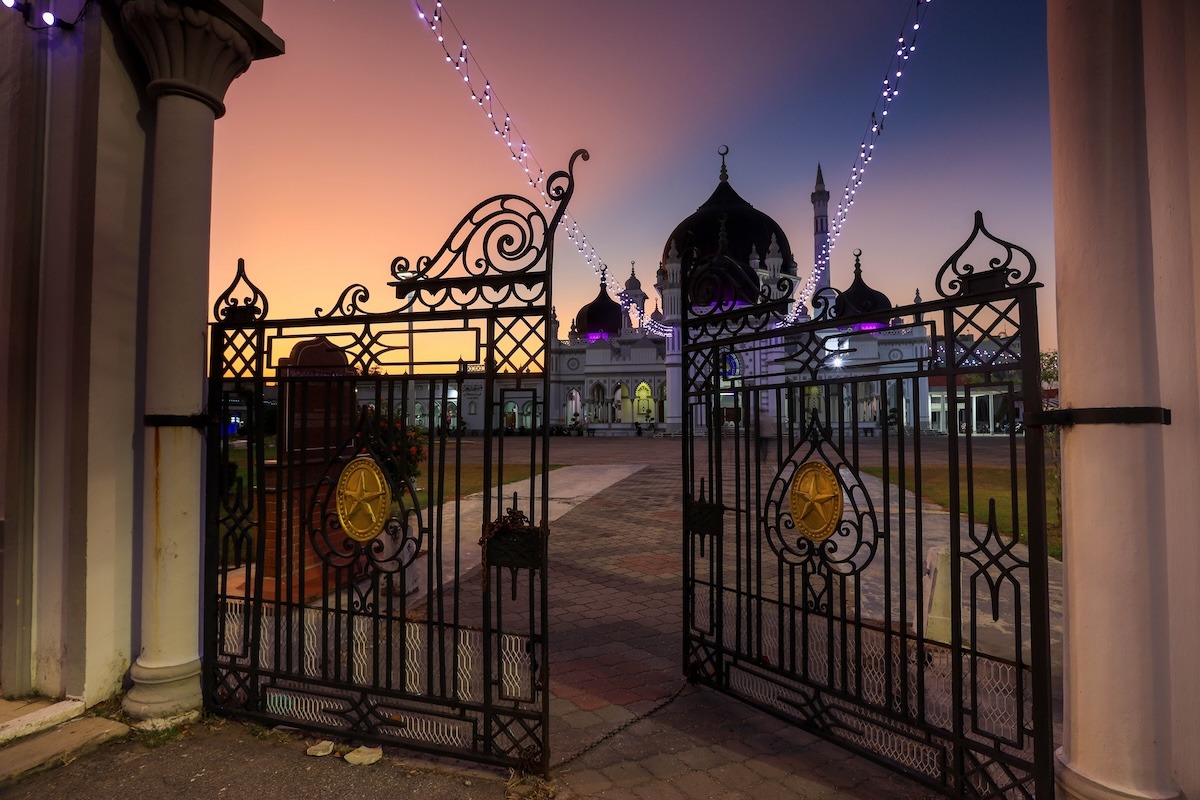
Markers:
{"x": 505, "y": 234}
{"x": 959, "y": 278}
{"x": 823, "y": 302}
{"x": 399, "y": 540}
{"x": 242, "y": 303}
{"x": 995, "y": 560}
{"x": 713, "y": 289}
{"x": 349, "y": 302}
{"x": 843, "y": 545}
{"x": 561, "y": 185}
{"x": 483, "y": 259}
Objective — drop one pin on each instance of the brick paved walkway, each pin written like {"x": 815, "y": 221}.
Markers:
{"x": 615, "y": 632}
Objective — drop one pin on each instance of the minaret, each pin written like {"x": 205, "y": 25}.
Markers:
{"x": 670, "y": 289}
{"x": 634, "y": 297}
{"x": 820, "y": 202}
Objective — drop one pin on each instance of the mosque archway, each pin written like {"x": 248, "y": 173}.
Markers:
{"x": 643, "y": 407}
{"x": 600, "y": 409}
{"x": 573, "y": 408}
{"x": 622, "y": 404}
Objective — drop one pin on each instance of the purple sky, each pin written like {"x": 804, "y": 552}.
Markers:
{"x": 361, "y": 143}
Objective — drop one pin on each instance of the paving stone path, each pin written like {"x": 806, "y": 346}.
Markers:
{"x": 615, "y": 647}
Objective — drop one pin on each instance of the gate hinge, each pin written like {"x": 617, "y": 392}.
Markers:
{"x": 1119, "y": 415}
{"x": 198, "y": 421}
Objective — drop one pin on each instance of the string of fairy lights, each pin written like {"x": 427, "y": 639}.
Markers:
{"x": 483, "y": 95}
{"x": 466, "y": 64}
{"x": 48, "y": 20}
{"x": 906, "y": 48}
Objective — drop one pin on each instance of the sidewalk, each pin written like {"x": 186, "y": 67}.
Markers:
{"x": 624, "y": 724}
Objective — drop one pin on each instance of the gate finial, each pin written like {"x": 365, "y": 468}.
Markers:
{"x": 251, "y": 307}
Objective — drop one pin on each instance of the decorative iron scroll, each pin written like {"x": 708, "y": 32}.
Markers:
{"x": 822, "y": 303}
{"x": 843, "y": 544}
{"x": 250, "y": 307}
{"x": 499, "y": 239}
{"x": 396, "y": 542}
{"x": 959, "y": 278}
{"x": 713, "y": 289}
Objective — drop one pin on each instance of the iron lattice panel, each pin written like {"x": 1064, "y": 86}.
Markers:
{"x": 912, "y": 633}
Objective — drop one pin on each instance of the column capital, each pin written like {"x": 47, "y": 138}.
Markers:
{"x": 197, "y": 51}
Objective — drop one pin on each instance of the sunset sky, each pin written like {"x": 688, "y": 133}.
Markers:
{"x": 361, "y": 143}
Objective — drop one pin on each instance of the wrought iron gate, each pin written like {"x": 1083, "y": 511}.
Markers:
{"x": 376, "y": 551}
{"x": 820, "y": 584}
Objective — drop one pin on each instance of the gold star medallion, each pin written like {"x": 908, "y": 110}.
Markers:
{"x": 816, "y": 501}
{"x": 363, "y": 499}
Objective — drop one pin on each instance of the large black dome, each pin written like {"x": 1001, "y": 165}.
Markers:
{"x": 743, "y": 229}
{"x": 600, "y": 318}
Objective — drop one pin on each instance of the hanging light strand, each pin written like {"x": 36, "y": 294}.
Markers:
{"x": 464, "y": 62}
{"x": 906, "y": 48}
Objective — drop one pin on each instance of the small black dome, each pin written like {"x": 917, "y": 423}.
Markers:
{"x": 859, "y": 298}
{"x": 600, "y": 318}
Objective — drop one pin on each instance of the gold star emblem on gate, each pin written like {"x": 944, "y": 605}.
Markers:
{"x": 816, "y": 501}
{"x": 363, "y": 499}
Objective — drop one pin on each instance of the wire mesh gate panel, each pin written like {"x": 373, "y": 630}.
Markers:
{"x": 376, "y": 548}
{"x": 865, "y": 535}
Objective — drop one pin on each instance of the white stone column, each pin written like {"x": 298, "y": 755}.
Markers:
{"x": 1117, "y": 703}
{"x": 192, "y": 57}
{"x": 1171, "y": 32}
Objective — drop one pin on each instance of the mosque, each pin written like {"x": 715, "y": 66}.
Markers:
{"x": 617, "y": 368}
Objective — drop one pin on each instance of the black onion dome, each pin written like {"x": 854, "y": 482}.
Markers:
{"x": 601, "y": 317}
{"x": 698, "y": 238}
{"x": 859, "y": 298}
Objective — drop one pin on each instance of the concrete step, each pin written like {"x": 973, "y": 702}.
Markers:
{"x": 25, "y": 717}
{"x": 57, "y": 745}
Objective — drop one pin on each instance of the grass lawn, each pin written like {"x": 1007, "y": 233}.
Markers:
{"x": 990, "y": 482}
{"x": 471, "y": 479}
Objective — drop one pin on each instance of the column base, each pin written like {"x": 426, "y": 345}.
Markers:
{"x": 163, "y": 691}
{"x": 1074, "y": 786}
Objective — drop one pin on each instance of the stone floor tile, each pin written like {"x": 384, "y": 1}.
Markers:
{"x": 701, "y": 758}
{"x": 585, "y": 784}
{"x": 627, "y": 774}
{"x": 736, "y": 776}
{"x": 697, "y": 785}
{"x": 659, "y": 791}
{"x": 664, "y": 765}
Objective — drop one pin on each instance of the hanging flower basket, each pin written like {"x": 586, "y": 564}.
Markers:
{"x": 511, "y": 541}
